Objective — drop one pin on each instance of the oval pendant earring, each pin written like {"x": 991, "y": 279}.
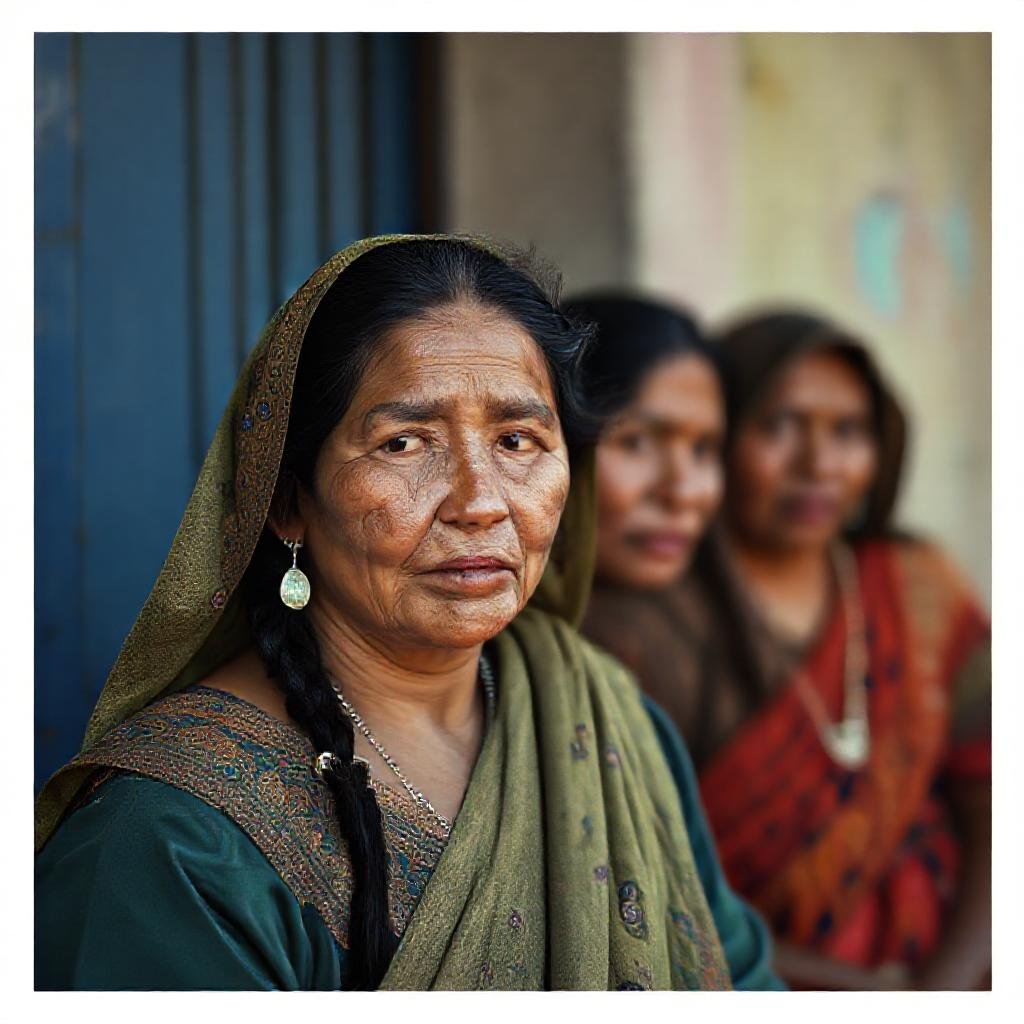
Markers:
{"x": 294, "y": 584}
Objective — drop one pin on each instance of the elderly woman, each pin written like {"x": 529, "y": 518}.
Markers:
{"x": 838, "y": 702}
{"x": 352, "y": 740}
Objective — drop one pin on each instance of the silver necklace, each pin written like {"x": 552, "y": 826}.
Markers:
{"x": 490, "y": 697}
{"x": 847, "y": 742}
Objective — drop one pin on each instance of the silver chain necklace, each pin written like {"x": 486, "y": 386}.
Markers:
{"x": 490, "y": 697}
{"x": 848, "y": 741}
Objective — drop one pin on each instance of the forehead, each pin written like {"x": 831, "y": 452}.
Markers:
{"x": 820, "y": 380}
{"x": 680, "y": 388}
{"x": 456, "y": 353}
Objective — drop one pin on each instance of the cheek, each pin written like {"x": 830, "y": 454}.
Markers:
{"x": 382, "y": 512}
{"x": 757, "y": 469}
{"x": 712, "y": 486}
{"x": 621, "y": 483}
{"x": 861, "y": 466}
{"x": 536, "y": 500}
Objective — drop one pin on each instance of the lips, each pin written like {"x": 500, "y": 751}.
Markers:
{"x": 810, "y": 508}
{"x": 471, "y": 575}
{"x": 474, "y": 563}
{"x": 663, "y": 544}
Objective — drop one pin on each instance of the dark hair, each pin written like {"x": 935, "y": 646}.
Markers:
{"x": 633, "y": 335}
{"x": 755, "y": 350}
{"x": 386, "y": 286}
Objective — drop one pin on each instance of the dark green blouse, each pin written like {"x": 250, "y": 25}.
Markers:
{"x": 149, "y": 887}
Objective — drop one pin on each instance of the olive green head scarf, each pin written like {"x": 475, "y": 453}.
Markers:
{"x": 571, "y": 827}
{"x": 193, "y": 619}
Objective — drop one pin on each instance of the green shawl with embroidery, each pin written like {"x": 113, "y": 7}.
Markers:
{"x": 569, "y": 865}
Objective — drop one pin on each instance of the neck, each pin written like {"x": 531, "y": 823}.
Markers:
{"x": 435, "y": 687}
{"x": 792, "y": 589}
{"x": 792, "y": 565}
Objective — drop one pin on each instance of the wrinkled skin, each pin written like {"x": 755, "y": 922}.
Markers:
{"x": 659, "y": 474}
{"x": 451, "y": 448}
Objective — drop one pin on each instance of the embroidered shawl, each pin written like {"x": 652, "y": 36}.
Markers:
{"x": 569, "y": 864}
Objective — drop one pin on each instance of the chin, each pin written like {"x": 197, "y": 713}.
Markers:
{"x": 463, "y": 622}
{"x": 801, "y": 538}
{"x": 660, "y": 578}
{"x": 657, "y": 576}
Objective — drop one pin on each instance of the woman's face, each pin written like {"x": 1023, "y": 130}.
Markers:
{"x": 438, "y": 494}
{"x": 659, "y": 475}
{"x": 804, "y": 458}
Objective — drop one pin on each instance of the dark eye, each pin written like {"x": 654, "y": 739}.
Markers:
{"x": 517, "y": 442}
{"x": 706, "y": 448}
{"x": 851, "y": 429}
{"x": 779, "y": 424}
{"x": 635, "y": 442}
{"x": 403, "y": 444}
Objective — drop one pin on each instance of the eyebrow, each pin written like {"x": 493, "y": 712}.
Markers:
{"x": 521, "y": 409}
{"x": 425, "y": 412}
{"x": 656, "y": 423}
{"x": 411, "y": 412}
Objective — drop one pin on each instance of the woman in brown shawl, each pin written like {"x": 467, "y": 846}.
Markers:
{"x": 832, "y": 678}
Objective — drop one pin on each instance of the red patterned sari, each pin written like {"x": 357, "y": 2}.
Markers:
{"x": 862, "y": 865}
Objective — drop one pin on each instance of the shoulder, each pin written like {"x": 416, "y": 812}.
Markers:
{"x": 227, "y": 752}
{"x": 250, "y": 767}
{"x": 180, "y": 734}
{"x": 206, "y": 742}
{"x": 133, "y": 817}
{"x": 147, "y": 886}
{"x": 919, "y": 564}
{"x": 207, "y": 746}
{"x": 138, "y": 839}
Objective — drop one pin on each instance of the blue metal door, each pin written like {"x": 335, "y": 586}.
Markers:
{"x": 185, "y": 186}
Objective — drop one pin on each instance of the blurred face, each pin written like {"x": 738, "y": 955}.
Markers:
{"x": 438, "y": 494}
{"x": 659, "y": 476}
{"x": 805, "y": 457}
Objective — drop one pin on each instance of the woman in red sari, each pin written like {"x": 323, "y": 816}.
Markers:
{"x": 832, "y": 679}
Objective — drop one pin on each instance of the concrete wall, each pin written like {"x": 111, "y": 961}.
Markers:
{"x": 844, "y": 172}
{"x": 534, "y": 147}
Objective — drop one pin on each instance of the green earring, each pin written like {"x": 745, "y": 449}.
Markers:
{"x": 294, "y": 583}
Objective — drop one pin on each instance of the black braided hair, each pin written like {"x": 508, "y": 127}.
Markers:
{"x": 288, "y": 645}
{"x": 385, "y": 287}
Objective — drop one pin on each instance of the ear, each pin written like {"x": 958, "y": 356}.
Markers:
{"x": 284, "y": 517}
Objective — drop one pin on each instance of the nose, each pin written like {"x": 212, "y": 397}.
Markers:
{"x": 682, "y": 483}
{"x": 475, "y": 497}
{"x": 821, "y": 455}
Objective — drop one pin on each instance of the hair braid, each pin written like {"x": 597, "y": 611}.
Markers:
{"x": 288, "y": 645}
{"x": 390, "y": 285}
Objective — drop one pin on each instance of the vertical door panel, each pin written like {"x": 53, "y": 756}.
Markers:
{"x": 212, "y": 263}
{"x": 294, "y": 152}
{"x": 254, "y": 183}
{"x": 60, "y": 702}
{"x": 137, "y": 452}
{"x": 185, "y": 185}
{"x": 342, "y": 98}
{"x": 391, "y": 138}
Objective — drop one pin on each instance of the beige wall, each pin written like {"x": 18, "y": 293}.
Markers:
{"x": 845, "y": 172}
{"x": 534, "y": 147}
